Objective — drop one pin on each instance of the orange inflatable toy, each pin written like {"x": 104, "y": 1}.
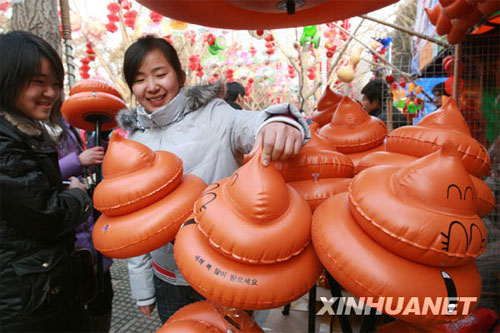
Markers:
{"x": 316, "y": 159}
{"x": 271, "y": 14}
{"x": 485, "y": 201}
{"x": 352, "y": 130}
{"x": 94, "y": 85}
{"x": 144, "y": 199}
{"x": 235, "y": 254}
{"x": 425, "y": 212}
{"x": 386, "y": 281}
{"x": 455, "y": 17}
{"x": 123, "y": 189}
{"x": 244, "y": 215}
{"x": 383, "y": 158}
{"x": 317, "y": 172}
{"x": 212, "y": 318}
{"x": 433, "y": 130}
{"x": 92, "y": 101}
{"x": 240, "y": 285}
{"x": 318, "y": 190}
{"x": 327, "y": 105}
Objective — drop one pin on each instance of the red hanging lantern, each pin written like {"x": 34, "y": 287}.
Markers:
{"x": 113, "y": 7}
{"x": 113, "y": 18}
{"x": 111, "y": 27}
{"x": 155, "y": 17}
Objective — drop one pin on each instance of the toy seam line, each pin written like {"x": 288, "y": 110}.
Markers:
{"x": 465, "y": 153}
{"x": 246, "y": 260}
{"x": 306, "y": 164}
{"x": 408, "y": 242}
{"x": 486, "y": 202}
{"x": 354, "y": 144}
{"x": 128, "y": 203}
{"x": 182, "y": 217}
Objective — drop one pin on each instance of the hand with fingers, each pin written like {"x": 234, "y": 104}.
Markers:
{"x": 91, "y": 156}
{"x": 147, "y": 310}
{"x": 279, "y": 141}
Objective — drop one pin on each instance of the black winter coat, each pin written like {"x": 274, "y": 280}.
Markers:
{"x": 39, "y": 269}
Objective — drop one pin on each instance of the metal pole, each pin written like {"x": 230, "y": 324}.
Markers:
{"x": 456, "y": 74}
{"x": 68, "y": 49}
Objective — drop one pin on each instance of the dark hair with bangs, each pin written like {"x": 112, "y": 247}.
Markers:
{"x": 138, "y": 50}
{"x": 376, "y": 90}
{"x": 20, "y": 61}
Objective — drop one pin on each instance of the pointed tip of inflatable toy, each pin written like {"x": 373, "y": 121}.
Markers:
{"x": 125, "y": 156}
{"x": 258, "y": 191}
{"x": 433, "y": 13}
{"x": 352, "y": 129}
{"x": 439, "y": 179}
{"x": 448, "y": 116}
{"x": 349, "y": 113}
{"x": 328, "y": 99}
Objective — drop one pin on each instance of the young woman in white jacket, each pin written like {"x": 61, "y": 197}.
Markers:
{"x": 209, "y": 136}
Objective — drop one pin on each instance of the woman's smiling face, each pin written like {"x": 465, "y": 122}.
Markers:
{"x": 156, "y": 82}
{"x": 39, "y": 95}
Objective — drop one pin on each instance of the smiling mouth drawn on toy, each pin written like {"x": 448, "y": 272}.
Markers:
{"x": 209, "y": 192}
{"x": 452, "y": 292}
{"x": 460, "y": 192}
{"x": 468, "y": 240}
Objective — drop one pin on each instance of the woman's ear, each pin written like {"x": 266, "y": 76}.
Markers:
{"x": 182, "y": 80}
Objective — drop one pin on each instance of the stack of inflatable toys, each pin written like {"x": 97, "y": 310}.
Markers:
{"x": 144, "y": 198}
{"x": 206, "y": 316}
{"x": 354, "y": 132}
{"x": 405, "y": 239}
{"x": 250, "y": 235}
{"x": 406, "y": 144}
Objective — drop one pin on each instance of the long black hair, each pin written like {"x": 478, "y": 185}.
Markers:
{"x": 20, "y": 61}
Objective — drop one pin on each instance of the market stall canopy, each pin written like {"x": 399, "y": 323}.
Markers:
{"x": 262, "y": 14}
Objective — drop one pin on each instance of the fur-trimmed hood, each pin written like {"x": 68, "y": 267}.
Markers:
{"x": 196, "y": 97}
{"x": 25, "y": 125}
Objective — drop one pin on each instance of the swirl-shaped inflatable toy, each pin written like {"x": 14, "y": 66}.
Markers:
{"x": 256, "y": 206}
{"x": 433, "y": 130}
{"x": 327, "y": 105}
{"x": 92, "y": 101}
{"x": 485, "y": 201}
{"x": 352, "y": 130}
{"x": 388, "y": 282}
{"x": 206, "y": 316}
{"x": 236, "y": 254}
{"x": 144, "y": 199}
{"x": 425, "y": 211}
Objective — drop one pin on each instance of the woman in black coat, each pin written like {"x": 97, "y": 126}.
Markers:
{"x": 39, "y": 269}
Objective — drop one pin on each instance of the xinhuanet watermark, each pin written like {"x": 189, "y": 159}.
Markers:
{"x": 418, "y": 306}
